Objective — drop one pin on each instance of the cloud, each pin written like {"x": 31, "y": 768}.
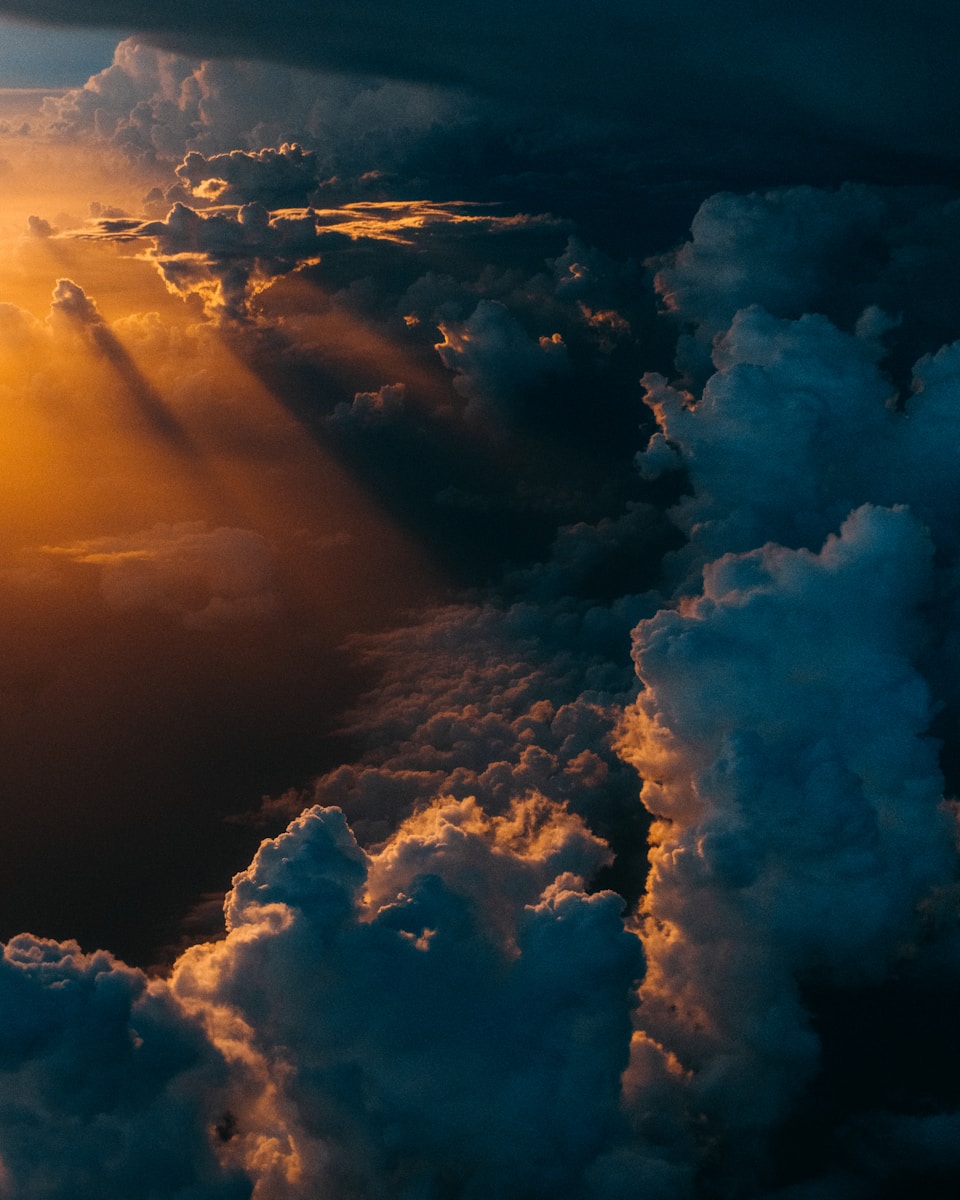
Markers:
{"x": 70, "y": 300}
{"x": 444, "y": 1073}
{"x": 225, "y": 258}
{"x": 804, "y": 250}
{"x": 493, "y": 704}
{"x": 39, "y": 227}
{"x": 767, "y": 437}
{"x": 790, "y": 688}
{"x": 207, "y": 577}
{"x": 788, "y": 251}
{"x": 277, "y": 178}
{"x": 883, "y": 85}
{"x": 766, "y": 443}
{"x": 385, "y": 404}
{"x": 495, "y": 361}
{"x": 781, "y": 735}
{"x": 106, "y": 1087}
{"x": 228, "y": 254}
{"x": 158, "y": 106}
{"x": 72, "y": 309}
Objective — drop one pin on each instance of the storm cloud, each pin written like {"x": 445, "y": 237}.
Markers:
{"x": 880, "y": 77}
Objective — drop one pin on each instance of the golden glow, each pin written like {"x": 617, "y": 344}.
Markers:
{"x": 319, "y": 323}
{"x": 164, "y": 515}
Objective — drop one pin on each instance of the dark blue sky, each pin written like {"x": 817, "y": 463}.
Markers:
{"x": 32, "y": 56}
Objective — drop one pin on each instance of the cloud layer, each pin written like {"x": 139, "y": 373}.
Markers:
{"x": 881, "y": 84}
{"x": 563, "y": 923}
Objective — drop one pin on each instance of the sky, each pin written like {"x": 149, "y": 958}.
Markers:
{"x": 41, "y": 57}
{"x": 481, "y": 587}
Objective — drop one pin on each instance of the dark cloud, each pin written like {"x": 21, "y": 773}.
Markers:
{"x": 227, "y": 254}
{"x": 494, "y": 362}
{"x": 385, "y": 404}
{"x": 444, "y": 1075}
{"x": 801, "y": 419}
{"x": 106, "y": 1087}
{"x": 864, "y": 90}
{"x": 154, "y": 105}
{"x": 809, "y": 250}
{"x": 511, "y": 364}
{"x": 276, "y": 178}
{"x": 788, "y": 395}
{"x": 510, "y": 701}
{"x": 800, "y": 843}
{"x": 224, "y": 257}
{"x": 877, "y": 78}
{"x": 764, "y": 771}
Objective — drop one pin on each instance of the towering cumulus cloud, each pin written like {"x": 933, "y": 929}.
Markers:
{"x": 631, "y": 872}
{"x": 798, "y": 822}
{"x": 435, "y": 969}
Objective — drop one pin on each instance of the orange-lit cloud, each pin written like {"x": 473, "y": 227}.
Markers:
{"x": 229, "y": 254}
{"x": 208, "y": 575}
{"x": 467, "y": 975}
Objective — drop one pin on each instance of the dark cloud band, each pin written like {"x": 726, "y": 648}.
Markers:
{"x": 875, "y": 77}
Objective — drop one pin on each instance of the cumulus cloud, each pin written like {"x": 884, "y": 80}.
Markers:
{"x": 804, "y": 417}
{"x": 788, "y": 695}
{"x": 40, "y": 228}
{"x": 843, "y": 253}
{"x": 494, "y": 360}
{"x": 501, "y": 700}
{"x": 71, "y": 301}
{"x": 385, "y": 404}
{"x": 782, "y": 250}
{"x": 780, "y": 734}
{"x": 225, "y": 258}
{"x": 443, "y": 1074}
{"x": 72, "y": 309}
{"x": 767, "y": 442}
{"x": 781, "y": 730}
{"x": 106, "y": 1086}
{"x": 207, "y": 577}
{"x": 157, "y": 106}
{"x": 276, "y": 178}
